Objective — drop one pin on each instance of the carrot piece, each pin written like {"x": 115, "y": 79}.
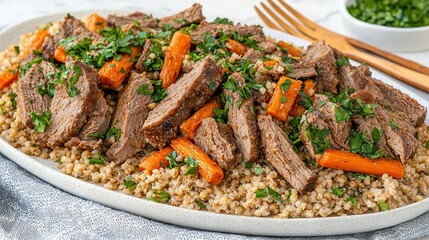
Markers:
{"x": 270, "y": 63}
{"x": 155, "y": 160}
{"x": 190, "y": 126}
{"x": 290, "y": 48}
{"x": 95, "y": 22}
{"x": 236, "y": 47}
{"x": 37, "y": 42}
{"x": 282, "y": 101}
{"x": 113, "y": 72}
{"x": 352, "y": 162}
{"x": 309, "y": 88}
{"x": 173, "y": 59}
{"x": 8, "y": 76}
{"x": 60, "y": 54}
{"x": 208, "y": 169}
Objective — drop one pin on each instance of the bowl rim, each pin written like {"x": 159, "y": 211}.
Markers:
{"x": 373, "y": 26}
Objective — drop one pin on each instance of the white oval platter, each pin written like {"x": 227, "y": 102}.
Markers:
{"x": 47, "y": 170}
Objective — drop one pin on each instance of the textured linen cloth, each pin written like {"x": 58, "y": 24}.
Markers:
{"x": 33, "y": 209}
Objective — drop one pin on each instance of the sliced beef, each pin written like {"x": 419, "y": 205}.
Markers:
{"x": 302, "y": 71}
{"x": 217, "y": 140}
{"x": 48, "y": 48}
{"x": 214, "y": 29}
{"x": 145, "y": 56}
{"x": 279, "y": 153}
{"x": 253, "y": 55}
{"x": 194, "y": 14}
{"x": 29, "y": 98}
{"x": 242, "y": 119}
{"x": 138, "y": 19}
{"x": 323, "y": 117}
{"x": 188, "y": 94}
{"x": 323, "y": 58}
{"x": 98, "y": 124}
{"x": 131, "y": 112}
{"x": 268, "y": 46}
{"x": 69, "y": 114}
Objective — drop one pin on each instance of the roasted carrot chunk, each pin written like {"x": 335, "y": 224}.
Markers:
{"x": 270, "y": 63}
{"x": 155, "y": 160}
{"x": 236, "y": 47}
{"x": 173, "y": 59}
{"x": 60, "y": 54}
{"x": 95, "y": 22}
{"x": 346, "y": 161}
{"x": 309, "y": 88}
{"x": 37, "y": 42}
{"x": 190, "y": 126}
{"x": 208, "y": 169}
{"x": 113, "y": 72}
{"x": 8, "y": 76}
{"x": 283, "y": 98}
{"x": 290, "y": 48}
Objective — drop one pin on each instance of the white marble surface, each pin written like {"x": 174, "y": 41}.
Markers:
{"x": 325, "y": 12}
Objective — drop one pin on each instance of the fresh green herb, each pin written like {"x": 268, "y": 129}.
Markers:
{"x": 129, "y": 183}
{"x": 283, "y": 99}
{"x": 159, "y": 92}
{"x": 72, "y": 91}
{"x": 11, "y": 71}
{"x": 294, "y": 133}
{"x": 159, "y": 196}
{"x": 342, "y": 62}
{"x": 221, "y": 115}
{"x": 360, "y": 144}
{"x": 144, "y": 89}
{"x": 383, "y": 206}
{"x": 393, "y": 124}
{"x": 289, "y": 68}
{"x": 2, "y": 108}
{"x": 48, "y": 88}
{"x": 318, "y": 138}
{"x": 171, "y": 158}
{"x": 353, "y": 200}
{"x": 247, "y": 40}
{"x": 286, "y": 85}
{"x": 16, "y": 48}
{"x": 100, "y": 160}
{"x": 155, "y": 64}
{"x": 338, "y": 191}
{"x": 341, "y": 114}
{"x": 427, "y": 144}
{"x": 194, "y": 56}
{"x": 212, "y": 85}
{"x": 201, "y": 204}
{"x": 12, "y": 97}
{"x": 349, "y": 107}
{"x": 269, "y": 191}
{"x": 248, "y": 165}
{"x": 40, "y": 121}
{"x": 37, "y": 52}
{"x": 180, "y": 21}
{"x": 219, "y": 20}
{"x": 166, "y": 32}
{"x": 113, "y": 132}
{"x": 258, "y": 170}
{"x": 359, "y": 176}
{"x": 25, "y": 67}
{"x": 392, "y": 13}
{"x": 193, "y": 165}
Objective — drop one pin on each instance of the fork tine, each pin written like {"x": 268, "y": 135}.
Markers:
{"x": 301, "y": 27}
{"x": 284, "y": 25}
{"x": 299, "y": 16}
{"x": 266, "y": 20}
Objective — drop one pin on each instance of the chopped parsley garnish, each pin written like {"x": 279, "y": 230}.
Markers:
{"x": 144, "y": 89}
{"x": 338, "y": 191}
{"x": 285, "y": 87}
{"x": 159, "y": 92}
{"x": 247, "y": 40}
{"x": 154, "y": 64}
{"x": 342, "y": 114}
{"x": 293, "y": 133}
{"x": 99, "y": 160}
{"x": 25, "y": 67}
{"x": 48, "y": 88}
{"x": 16, "y": 48}
{"x": 349, "y": 107}
{"x": 159, "y": 196}
{"x": 194, "y": 56}
{"x": 342, "y": 62}
{"x": 260, "y": 193}
{"x": 72, "y": 91}
{"x": 129, "y": 183}
{"x": 12, "y": 97}
{"x": 166, "y": 32}
{"x": 383, "y": 206}
{"x": 171, "y": 158}
{"x": 427, "y": 144}
{"x": 318, "y": 138}
{"x": 201, "y": 204}
{"x": 353, "y": 200}
{"x": 219, "y": 20}
{"x": 114, "y": 132}
{"x": 193, "y": 165}
{"x": 221, "y": 115}
{"x": 403, "y": 14}
{"x": 393, "y": 124}
{"x": 40, "y": 121}
{"x": 258, "y": 170}
{"x": 180, "y": 21}
{"x": 360, "y": 144}
{"x": 359, "y": 176}
{"x": 248, "y": 165}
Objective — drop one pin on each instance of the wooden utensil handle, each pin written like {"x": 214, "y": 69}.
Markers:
{"x": 392, "y": 57}
{"x": 413, "y": 78}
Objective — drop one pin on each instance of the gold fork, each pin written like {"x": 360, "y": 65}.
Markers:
{"x": 300, "y": 26}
